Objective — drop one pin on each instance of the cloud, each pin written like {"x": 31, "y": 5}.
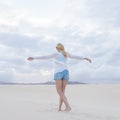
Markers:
{"x": 6, "y": 77}
{"x": 18, "y": 40}
{"x": 106, "y": 12}
{"x": 86, "y": 28}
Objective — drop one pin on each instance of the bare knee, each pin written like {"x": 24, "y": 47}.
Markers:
{"x": 60, "y": 92}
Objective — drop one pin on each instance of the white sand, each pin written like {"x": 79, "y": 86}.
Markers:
{"x": 88, "y": 102}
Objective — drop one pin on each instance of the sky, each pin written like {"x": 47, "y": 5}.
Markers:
{"x": 87, "y": 28}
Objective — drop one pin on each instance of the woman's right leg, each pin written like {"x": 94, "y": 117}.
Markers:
{"x": 63, "y": 86}
{"x": 64, "y": 83}
{"x": 61, "y": 94}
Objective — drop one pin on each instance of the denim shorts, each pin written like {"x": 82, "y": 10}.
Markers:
{"x": 64, "y": 75}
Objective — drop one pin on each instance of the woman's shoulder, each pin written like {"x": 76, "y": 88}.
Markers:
{"x": 68, "y": 54}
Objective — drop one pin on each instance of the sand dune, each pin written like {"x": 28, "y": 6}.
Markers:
{"x": 40, "y": 102}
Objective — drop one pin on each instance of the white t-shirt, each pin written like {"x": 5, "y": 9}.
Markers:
{"x": 60, "y": 61}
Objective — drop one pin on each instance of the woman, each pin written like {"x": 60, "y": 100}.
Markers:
{"x": 61, "y": 75}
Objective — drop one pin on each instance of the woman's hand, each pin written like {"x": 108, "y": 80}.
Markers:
{"x": 30, "y": 58}
{"x": 89, "y": 60}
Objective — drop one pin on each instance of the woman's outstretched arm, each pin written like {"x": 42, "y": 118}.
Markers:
{"x": 41, "y": 57}
{"x": 78, "y": 57}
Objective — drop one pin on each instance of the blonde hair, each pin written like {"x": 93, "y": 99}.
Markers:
{"x": 62, "y": 49}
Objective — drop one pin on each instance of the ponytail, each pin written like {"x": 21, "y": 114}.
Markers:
{"x": 64, "y": 53}
{"x": 61, "y": 49}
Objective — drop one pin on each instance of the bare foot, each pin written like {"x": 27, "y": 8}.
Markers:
{"x": 67, "y": 109}
{"x": 59, "y": 110}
